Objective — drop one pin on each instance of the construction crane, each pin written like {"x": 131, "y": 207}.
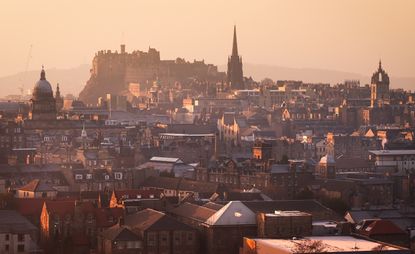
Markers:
{"x": 23, "y": 79}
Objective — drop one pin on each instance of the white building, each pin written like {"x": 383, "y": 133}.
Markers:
{"x": 400, "y": 161}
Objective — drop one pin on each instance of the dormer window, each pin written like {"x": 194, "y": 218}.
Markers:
{"x": 118, "y": 176}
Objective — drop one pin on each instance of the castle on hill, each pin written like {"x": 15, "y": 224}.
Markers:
{"x": 113, "y": 72}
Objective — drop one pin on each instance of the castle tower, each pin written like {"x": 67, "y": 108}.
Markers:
{"x": 379, "y": 88}
{"x": 42, "y": 103}
{"x": 235, "y": 74}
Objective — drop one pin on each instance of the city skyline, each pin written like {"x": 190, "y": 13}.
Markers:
{"x": 370, "y": 30}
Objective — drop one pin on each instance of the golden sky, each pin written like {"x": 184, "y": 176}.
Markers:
{"x": 347, "y": 35}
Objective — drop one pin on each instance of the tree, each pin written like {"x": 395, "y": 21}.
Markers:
{"x": 309, "y": 246}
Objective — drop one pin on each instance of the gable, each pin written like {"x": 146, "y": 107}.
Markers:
{"x": 234, "y": 213}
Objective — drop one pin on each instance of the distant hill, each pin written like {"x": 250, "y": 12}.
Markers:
{"x": 260, "y": 71}
{"x": 70, "y": 80}
{"x": 73, "y": 80}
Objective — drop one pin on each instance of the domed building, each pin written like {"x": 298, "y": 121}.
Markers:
{"x": 42, "y": 104}
{"x": 379, "y": 87}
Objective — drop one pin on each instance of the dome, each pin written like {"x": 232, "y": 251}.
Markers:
{"x": 42, "y": 87}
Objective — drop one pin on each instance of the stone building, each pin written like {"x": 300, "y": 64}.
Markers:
{"x": 284, "y": 224}
{"x": 42, "y": 104}
{"x": 149, "y": 231}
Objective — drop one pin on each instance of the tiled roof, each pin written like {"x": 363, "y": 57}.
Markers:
{"x": 379, "y": 227}
{"x": 233, "y": 213}
{"x": 29, "y": 206}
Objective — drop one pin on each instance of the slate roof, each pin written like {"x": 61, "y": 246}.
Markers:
{"x": 13, "y": 222}
{"x": 317, "y": 210}
{"x": 195, "y": 212}
{"x": 181, "y": 184}
{"x": 233, "y": 213}
{"x": 37, "y": 185}
{"x": 136, "y": 194}
{"x": 120, "y": 233}
{"x": 149, "y": 219}
{"x": 191, "y": 129}
{"x": 213, "y": 206}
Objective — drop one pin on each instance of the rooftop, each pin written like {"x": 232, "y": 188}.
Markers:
{"x": 393, "y": 152}
{"x": 330, "y": 244}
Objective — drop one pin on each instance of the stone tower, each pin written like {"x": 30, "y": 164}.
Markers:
{"x": 379, "y": 88}
{"x": 235, "y": 74}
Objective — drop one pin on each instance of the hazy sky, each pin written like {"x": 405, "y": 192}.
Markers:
{"x": 348, "y": 35}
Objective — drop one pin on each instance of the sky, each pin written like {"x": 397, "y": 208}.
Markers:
{"x": 346, "y": 35}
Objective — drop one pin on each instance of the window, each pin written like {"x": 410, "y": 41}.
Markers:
{"x": 20, "y": 248}
{"x": 151, "y": 239}
{"x": 163, "y": 238}
{"x": 176, "y": 237}
{"x": 6, "y": 247}
{"x": 118, "y": 175}
{"x": 190, "y": 238}
{"x": 6, "y": 237}
{"x": 78, "y": 177}
{"x": 20, "y": 237}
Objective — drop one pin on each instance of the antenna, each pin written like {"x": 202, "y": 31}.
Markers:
{"x": 23, "y": 79}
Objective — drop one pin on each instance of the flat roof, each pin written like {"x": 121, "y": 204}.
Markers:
{"x": 165, "y": 159}
{"x": 393, "y": 152}
{"x": 331, "y": 244}
{"x": 287, "y": 213}
{"x": 187, "y": 135}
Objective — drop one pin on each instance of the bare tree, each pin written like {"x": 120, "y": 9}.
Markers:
{"x": 309, "y": 246}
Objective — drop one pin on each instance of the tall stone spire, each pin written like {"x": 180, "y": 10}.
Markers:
{"x": 235, "y": 43}
{"x": 235, "y": 73}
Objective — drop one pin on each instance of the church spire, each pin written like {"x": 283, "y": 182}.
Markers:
{"x": 380, "y": 64}
{"x": 235, "y": 43}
